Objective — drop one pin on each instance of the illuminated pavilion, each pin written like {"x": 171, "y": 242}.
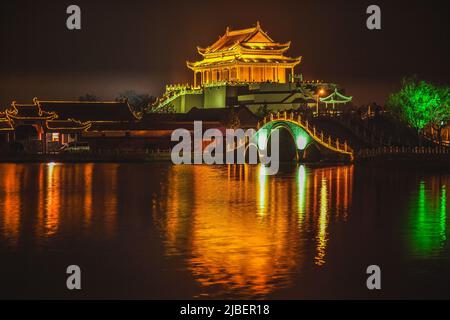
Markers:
{"x": 248, "y": 68}
{"x": 246, "y": 55}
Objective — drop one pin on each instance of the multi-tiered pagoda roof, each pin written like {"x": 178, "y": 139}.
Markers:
{"x": 246, "y": 55}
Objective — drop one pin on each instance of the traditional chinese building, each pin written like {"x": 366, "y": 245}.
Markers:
{"x": 45, "y": 125}
{"x": 247, "y": 68}
{"x": 335, "y": 98}
{"x": 108, "y": 126}
{"x": 6, "y": 128}
{"x": 247, "y": 55}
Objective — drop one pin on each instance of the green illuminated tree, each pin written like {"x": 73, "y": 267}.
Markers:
{"x": 421, "y": 104}
{"x": 439, "y": 109}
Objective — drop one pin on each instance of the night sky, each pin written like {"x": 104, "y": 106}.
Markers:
{"x": 142, "y": 45}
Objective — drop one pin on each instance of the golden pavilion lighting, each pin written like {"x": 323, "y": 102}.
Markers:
{"x": 246, "y": 55}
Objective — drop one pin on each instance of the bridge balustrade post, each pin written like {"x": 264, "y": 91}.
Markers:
{"x": 337, "y": 144}
{"x": 306, "y": 124}
{"x": 321, "y": 135}
{"x": 329, "y": 140}
{"x": 285, "y": 114}
{"x": 345, "y": 145}
{"x": 271, "y": 117}
{"x": 278, "y": 114}
{"x": 314, "y": 130}
{"x": 299, "y": 118}
{"x": 292, "y": 115}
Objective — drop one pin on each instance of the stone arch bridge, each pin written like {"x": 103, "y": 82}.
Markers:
{"x": 301, "y": 141}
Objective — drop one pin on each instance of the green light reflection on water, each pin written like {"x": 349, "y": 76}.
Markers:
{"x": 428, "y": 221}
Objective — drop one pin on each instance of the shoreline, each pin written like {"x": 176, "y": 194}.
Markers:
{"x": 436, "y": 160}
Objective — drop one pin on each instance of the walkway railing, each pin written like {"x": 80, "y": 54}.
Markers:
{"x": 326, "y": 141}
{"x": 172, "y": 93}
{"x": 368, "y": 153}
{"x": 432, "y": 135}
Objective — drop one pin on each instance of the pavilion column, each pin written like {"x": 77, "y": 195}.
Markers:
{"x": 292, "y": 74}
{"x": 195, "y": 79}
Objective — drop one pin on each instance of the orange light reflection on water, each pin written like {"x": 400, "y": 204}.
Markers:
{"x": 246, "y": 235}
{"x": 53, "y": 196}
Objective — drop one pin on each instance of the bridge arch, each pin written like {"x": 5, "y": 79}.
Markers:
{"x": 288, "y": 148}
{"x": 299, "y": 135}
{"x": 308, "y": 142}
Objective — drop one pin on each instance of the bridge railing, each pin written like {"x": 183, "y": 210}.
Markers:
{"x": 327, "y": 141}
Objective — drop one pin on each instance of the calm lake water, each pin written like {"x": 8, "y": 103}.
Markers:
{"x": 163, "y": 231}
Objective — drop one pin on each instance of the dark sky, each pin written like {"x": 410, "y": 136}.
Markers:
{"x": 143, "y": 45}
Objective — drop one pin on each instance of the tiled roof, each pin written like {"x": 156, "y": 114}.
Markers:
{"x": 27, "y": 111}
{"x": 114, "y": 126}
{"x": 213, "y": 116}
{"x": 232, "y": 38}
{"x": 222, "y": 114}
{"x": 89, "y": 111}
{"x": 275, "y": 60}
{"x": 66, "y": 125}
